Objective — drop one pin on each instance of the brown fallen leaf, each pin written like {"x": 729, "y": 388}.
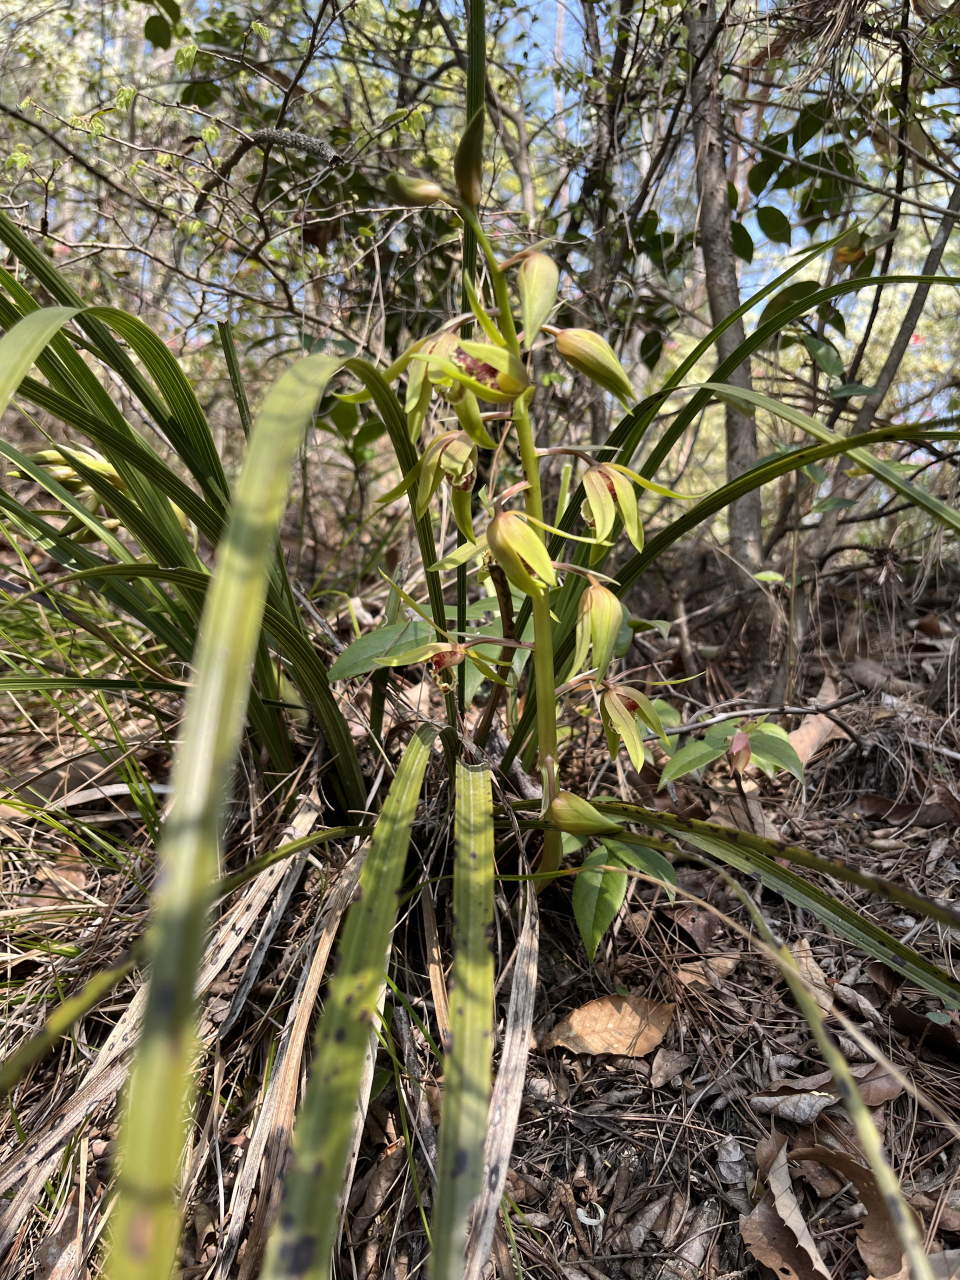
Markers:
{"x": 815, "y": 731}
{"x": 775, "y": 1232}
{"x": 630, "y": 1026}
{"x": 870, "y": 674}
{"x": 721, "y": 966}
{"x": 802, "y": 952}
{"x": 946, "y": 1211}
{"x": 799, "y": 1108}
{"x": 876, "y": 1085}
{"x": 700, "y": 923}
{"x": 877, "y": 1240}
{"x": 667, "y": 1064}
{"x": 945, "y": 1265}
{"x": 932, "y": 814}
{"x": 731, "y": 813}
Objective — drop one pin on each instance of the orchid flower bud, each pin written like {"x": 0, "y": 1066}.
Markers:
{"x": 416, "y": 192}
{"x": 468, "y": 162}
{"x": 620, "y": 709}
{"x": 578, "y": 817}
{"x": 520, "y": 553}
{"x": 599, "y": 620}
{"x": 537, "y": 282}
{"x": 453, "y": 455}
{"x": 592, "y": 355}
{"x": 739, "y": 751}
{"x": 609, "y": 491}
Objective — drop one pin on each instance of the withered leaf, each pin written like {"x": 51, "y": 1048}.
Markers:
{"x": 947, "y": 1213}
{"x": 802, "y": 952}
{"x": 698, "y": 922}
{"x": 877, "y": 1240}
{"x": 776, "y": 1232}
{"x": 630, "y": 1026}
{"x": 666, "y": 1065}
{"x": 720, "y": 966}
{"x": 801, "y": 1108}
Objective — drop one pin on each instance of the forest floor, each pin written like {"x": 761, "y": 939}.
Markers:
{"x": 670, "y": 1153}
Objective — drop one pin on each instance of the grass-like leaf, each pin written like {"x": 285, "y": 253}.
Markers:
{"x": 303, "y": 1239}
{"x": 757, "y": 856}
{"x": 147, "y": 1221}
{"x": 466, "y": 1096}
{"x": 915, "y": 495}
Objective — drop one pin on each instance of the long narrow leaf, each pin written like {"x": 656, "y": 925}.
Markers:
{"x": 466, "y": 1094}
{"x": 301, "y": 1245}
{"x": 916, "y": 496}
{"x": 146, "y": 1223}
{"x": 743, "y": 851}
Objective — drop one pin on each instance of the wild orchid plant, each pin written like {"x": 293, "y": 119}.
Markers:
{"x": 466, "y": 372}
{"x": 240, "y": 622}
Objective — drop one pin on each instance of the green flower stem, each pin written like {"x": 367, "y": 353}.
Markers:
{"x": 499, "y": 280}
{"x": 543, "y": 641}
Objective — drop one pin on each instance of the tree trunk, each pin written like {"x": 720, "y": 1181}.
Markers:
{"x": 723, "y": 289}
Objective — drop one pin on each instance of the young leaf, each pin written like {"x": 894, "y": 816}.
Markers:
{"x": 641, "y": 858}
{"x": 597, "y": 897}
{"x": 771, "y": 747}
{"x": 695, "y": 755}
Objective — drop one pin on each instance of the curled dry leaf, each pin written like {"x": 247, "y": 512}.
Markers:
{"x": 700, "y": 923}
{"x": 775, "y": 1232}
{"x": 802, "y": 952}
{"x": 630, "y": 1026}
{"x": 945, "y": 1210}
{"x": 667, "y": 1065}
{"x": 702, "y": 971}
{"x": 732, "y": 1166}
{"x": 877, "y": 1240}
{"x": 817, "y": 730}
{"x": 803, "y": 1099}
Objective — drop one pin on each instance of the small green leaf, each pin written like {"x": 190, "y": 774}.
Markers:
{"x": 184, "y": 58}
{"x": 774, "y": 224}
{"x": 742, "y": 241}
{"x": 825, "y": 354}
{"x": 851, "y": 389}
{"x": 260, "y": 30}
{"x": 940, "y": 1017}
{"x": 770, "y": 746}
{"x": 833, "y": 503}
{"x": 597, "y": 897}
{"x": 650, "y": 861}
{"x": 157, "y": 31}
{"x": 768, "y": 575}
{"x": 362, "y": 655}
{"x": 695, "y": 755}
{"x": 662, "y": 625}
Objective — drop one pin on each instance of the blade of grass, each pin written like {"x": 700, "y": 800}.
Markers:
{"x": 918, "y": 497}
{"x": 146, "y": 1224}
{"x": 746, "y": 853}
{"x": 466, "y": 1095}
{"x": 902, "y": 1218}
{"x": 302, "y": 1242}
